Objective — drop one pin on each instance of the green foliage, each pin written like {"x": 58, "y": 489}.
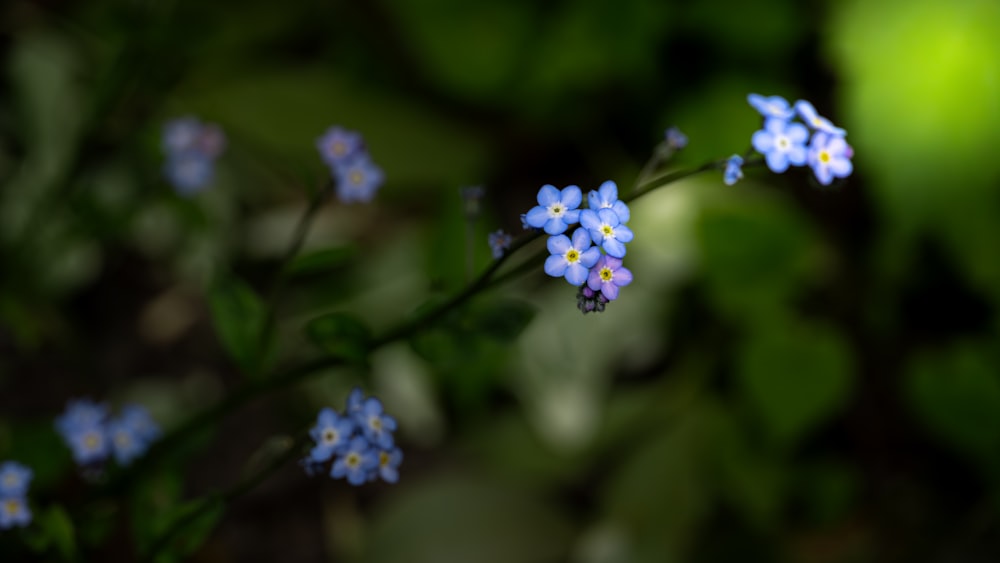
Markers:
{"x": 796, "y": 377}
{"x": 240, "y": 318}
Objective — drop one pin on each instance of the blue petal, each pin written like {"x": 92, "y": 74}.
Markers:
{"x": 614, "y": 248}
{"x": 576, "y": 274}
{"x": 581, "y": 239}
{"x": 608, "y": 216}
{"x": 547, "y": 195}
{"x": 571, "y": 216}
{"x": 777, "y": 161}
{"x": 589, "y": 219}
{"x": 537, "y": 217}
{"x": 762, "y": 141}
{"x": 572, "y": 197}
{"x": 555, "y": 266}
{"x": 623, "y": 233}
{"x": 622, "y": 211}
{"x": 555, "y": 226}
{"x": 590, "y": 256}
{"x": 558, "y": 244}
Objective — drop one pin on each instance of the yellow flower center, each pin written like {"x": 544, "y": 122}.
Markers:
{"x": 572, "y": 255}
{"x": 817, "y": 122}
{"x": 352, "y": 460}
{"x": 12, "y": 506}
{"x": 329, "y": 436}
{"x": 608, "y": 231}
{"x": 606, "y": 274}
{"x": 375, "y": 423}
{"x": 122, "y": 439}
{"x": 357, "y": 177}
{"x": 92, "y": 441}
{"x": 338, "y": 148}
{"x": 383, "y": 458}
{"x": 824, "y": 157}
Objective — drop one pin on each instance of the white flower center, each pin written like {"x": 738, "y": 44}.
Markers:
{"x": 352, "y": 460}
{"x": 556, "y": 210}
{"x": 572, "y": 256}
{"x": 608, "y": 231}
{"x": 607, "y": 274}
{"x": 329, "y": 436}
{"x": 783, "y": 143}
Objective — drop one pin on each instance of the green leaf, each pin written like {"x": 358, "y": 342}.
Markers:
{"x": 340, "y": 334}
{"x": 957, "y": 394}
{"x": 320, "y": 262}
{"x": 795, "y": 377}
{"x": 239, "y": 317}
{"x": 58, "y": 528}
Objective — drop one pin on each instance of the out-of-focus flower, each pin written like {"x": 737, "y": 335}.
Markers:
{"x": 358, "y": 179}
{"x": 782, "y": 143}
{"x": 771, "y": 106}
{"x": 817, "y": 121}
{"x": 675, "y": 139}
{"x": 338, "y": 145}
{"x": 356, "y": 463}
{"x": 734, "y": 170}
{"x": 499, "y": 243}
{"x": 14, "y": 479}
{"x": 830, "y": 157}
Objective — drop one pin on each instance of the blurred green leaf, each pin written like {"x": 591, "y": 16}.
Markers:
{"x": 457, "y": 519}
{"x": 239, "y": 317}
{"x": 796, "y": 376}
{"x": 340, "y": 334}
{"x": 58, "y": 527}
{"x": 956, "y": 393}
{"x": 320, "y": 262}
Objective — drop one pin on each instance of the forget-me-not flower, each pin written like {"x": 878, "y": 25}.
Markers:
{"x": 388, "y": 465}
{"x": 376, "y": 426}
{"x": 14, "y": 479}
{"x": 607, "y": 197}
{"x": 771, "y": 106}
{"x": 571, "y": 258}
{"x": 14, "y": 511}
{"x": 607, "y": 276}
{"x": 358, "y": 179}
{"x": 675, "y": 139}
{"x": 189, "y": 171}
{"x": 782, "y": 143}
{"x": 556, "y": 210}
{"x": 830, "y": 157}
{"x": 817, "y": 121}
{"x": 734, "y": 170}
{"x": 606, "y": 230}
{"x": 356, "y": 462}
{"x": 499, "y": 243}
{"x": 332, "y": 433}
{"x": 337, "y": 145}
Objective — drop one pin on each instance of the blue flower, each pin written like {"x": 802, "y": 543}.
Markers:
{"x": 556, "y": 210}
{"x": 358, "y": 179}
{"x": 607, "y": 276}
{"x": 81, "y": 413}
{"x": 816, "y": 121}
{"x": 771, "y": 107}
{"x": 14, "y": 511}
{"x": 675, "y": 139}
{"x": 830, "y": 157}
{"x": 332, "y": 434}
{"x": 571, "y": 259}
{"x": 355, "y": 401}
{"x": 375, "y": 425}
{"x": 388, "y": 465}
{"x": 137, "y": 418}
{"x": 782, "y": 143}
{"x": 734, "y": 170}
{"x": 126, "y": 444}
{"x": 499, "y": 243}
{"x": 339, "y": 145}
{"x": 606, "y": 230}
{"x": 189, "y": 171}
{"x": 14, "y": 479}
{"x": 181, "y": 134}
{"x": 356, "y": 462}
{"x": 89, "y": 445}
{"x": 607, "y": 197}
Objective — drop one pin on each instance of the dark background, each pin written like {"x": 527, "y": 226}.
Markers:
{"x": 798, "y": 373}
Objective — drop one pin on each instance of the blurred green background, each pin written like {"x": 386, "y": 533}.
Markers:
{"x": 797, "y": 374}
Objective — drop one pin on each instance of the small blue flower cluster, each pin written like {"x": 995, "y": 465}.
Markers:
{"x": 602, "y": 223}
{"x": 783, "y": 141}
{"x": 350, "y": 165}
{"x": 93, "y": 436}
{"x": 191, "y": 148}
{"x": 499, "y": 242}
{"x": 14, "y": 481}
{"x": 360, "y": 442}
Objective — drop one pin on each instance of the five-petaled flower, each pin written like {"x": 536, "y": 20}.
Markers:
{"x": 606, "y": 230}
{"x": 14, "y": 511}
{"x": 556, "y": 210}
{"x": 771, "y": 106}
{"x": 812, "y": 118}
{"x": 337, "y": 145}
{"x": 331, "y": 434}
{"x": 571, "y": 259}
{"x": 358, "y": 179}
{"x": 606, "y": 197}
{"x": 782, "y": 143}
{"x": 499, "y": 243}
{"x": 830, "y": 157}
{"x": 607, "y": 276}
{"x": 356, "y": 462}
{"x": 14, "y": 479}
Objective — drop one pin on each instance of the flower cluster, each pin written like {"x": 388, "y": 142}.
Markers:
{"x": 359, "y": 442}
{"x": 351, "y": 166}
{"x": 14, "y": 480}
{"x": 191, "y": 148}
{"x": 573, "y": 257}
{"x": 783, "y": 142}
{"x": 499, "y": 242}
{"x": 93, "y": 436}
